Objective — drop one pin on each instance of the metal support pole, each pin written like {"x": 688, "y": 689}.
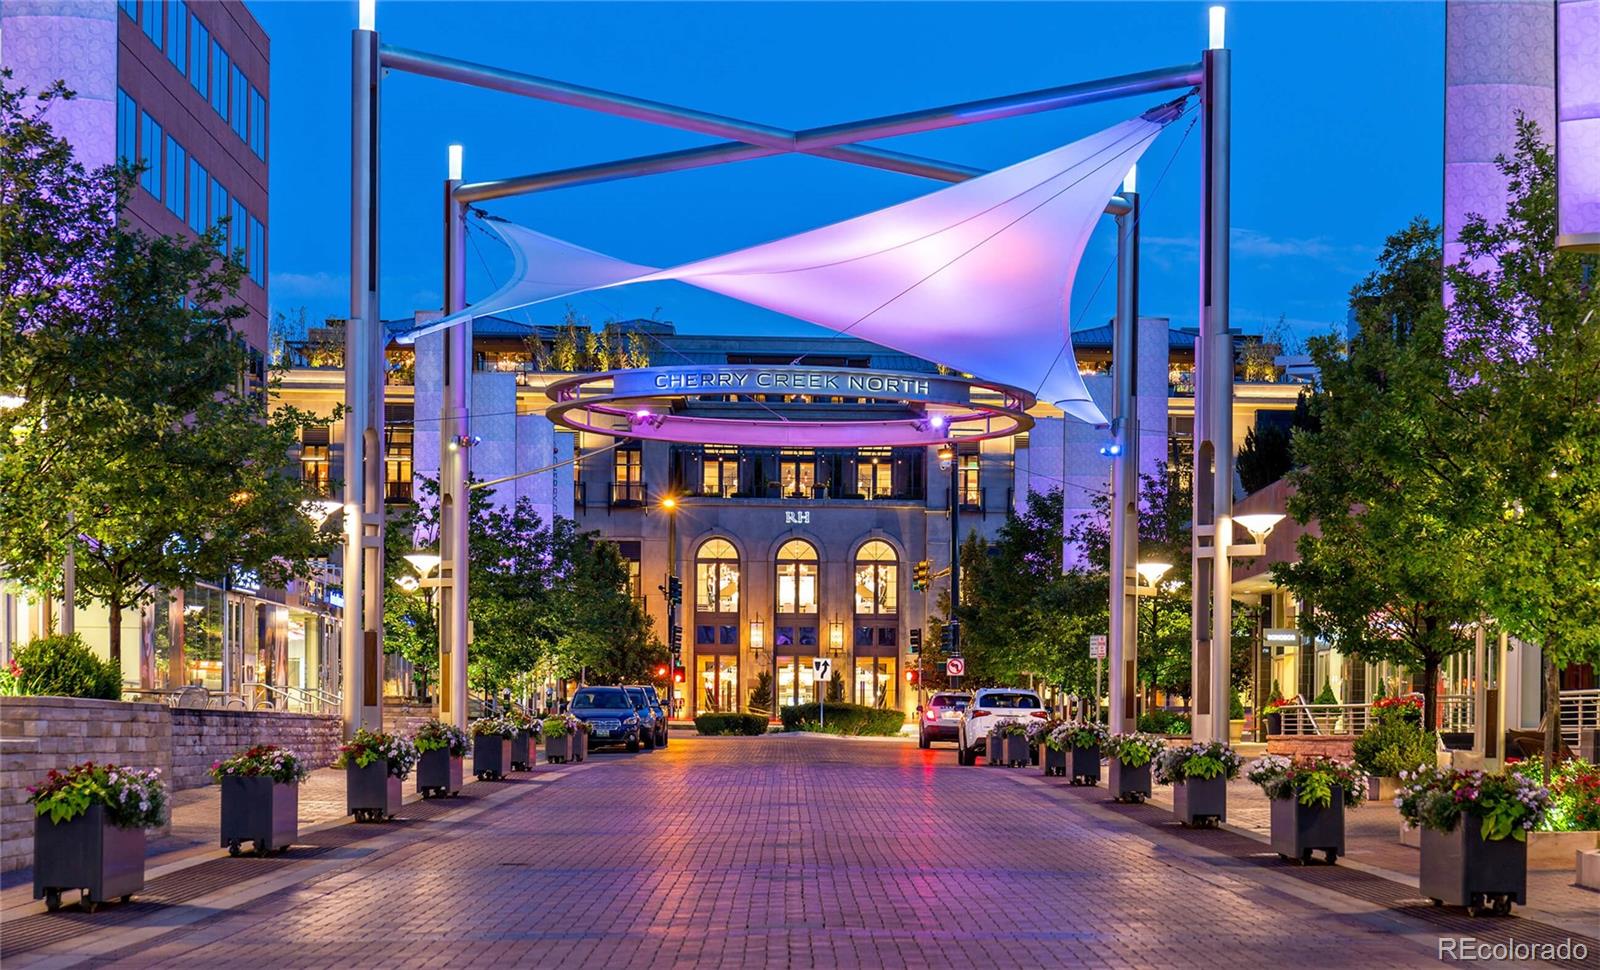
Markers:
{"x": 455, "y": 449}
{"x": 955, "y": 558}
{"x": 360, "y": 654}
{"x": 1124, "y": 638}
{"x": 675, "y": 649}
{"x": 69, "y": 579}
{"x": 1213, "y": 470}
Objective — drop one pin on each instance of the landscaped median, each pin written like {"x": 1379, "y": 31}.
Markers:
{"x": 853, "y": 720}
{"x": 707, "y": 725}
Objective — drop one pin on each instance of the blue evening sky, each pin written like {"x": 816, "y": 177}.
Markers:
{"x": 1337, "y": 137}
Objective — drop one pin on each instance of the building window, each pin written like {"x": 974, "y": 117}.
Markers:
{"x": 177, "y": 170}
{"x": 716, "y": 577}
{"x": 220, "y": 70}
{"x": 635, "y": 580}
{"x": 399, "y": 435}
{"x": 971, "y": 494}
{"x": 719, "y": 683}
{"x": 877, "y": 578}
{"x": 199, "y": 65}
{"x": 258, "y": 124}
{"x": 719, "y": 472}
{"x": 238, "y": 230}
{"x": 874, "y": 473}
{"x": 219, "y": 208}
{"x": 797, "y": 472}
{"x": 150, "y": 21}
{"x": 627, "y": 475}
{"x": 150, "y": 154}
{"x": 315, "y": 467}
{"x": 127, "y": 127}
{"x": 797, "y": 577}
{"x": 178, "y": 36}
{"x": 258, "y": 252}
{"x": 240, "y": 100}
{"x": 131, "y": 8}
{"x": 875, "y": 681}
{"x": 199, "y": 191}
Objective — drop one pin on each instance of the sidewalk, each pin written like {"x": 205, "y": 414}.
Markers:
{"x": 1372, "y": 838}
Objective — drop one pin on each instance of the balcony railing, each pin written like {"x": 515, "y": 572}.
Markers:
{"x": 1580, "y": 710}
{"x": 972, "y": 500}
{"x": 397, "y": 492}
{"x": 628, "y": 494}
{"x": 1314, "y": 719}
{"x": 580, "y": 496}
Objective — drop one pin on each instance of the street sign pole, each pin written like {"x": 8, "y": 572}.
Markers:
{"x": 1097, "y": 650}
{"x": 821, "y": 673}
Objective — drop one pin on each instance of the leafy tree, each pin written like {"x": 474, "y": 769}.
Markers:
{"x": 141, "y": 444}
{"x": 410, "y": 618}
{"x": 761, "y": 693}
{"x": 1386, "y": 576}
{"x": 1525, "y": 356}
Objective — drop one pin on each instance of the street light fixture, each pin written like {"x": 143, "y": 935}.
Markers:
{"x": 408, "y": 583}
{"x": 423, "y": 562}
{"x": 1259, "y": 525}
{"x": 1151, "y": 573}
{"x": 317, "y": 510}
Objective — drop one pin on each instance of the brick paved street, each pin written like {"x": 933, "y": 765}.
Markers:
{"x": 780, "y": 851}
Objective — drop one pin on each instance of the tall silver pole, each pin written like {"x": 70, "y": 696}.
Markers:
{"x": 360, "y": 654}
{"x": 454, "y": 449}
{"x": 1124, "y": 518}
{"x": 1213, "y": 453}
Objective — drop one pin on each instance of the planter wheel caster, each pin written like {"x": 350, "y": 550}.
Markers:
{"x": 1436, "y": 902}
{"x": 263, "y": 850}
{"x": 1305, "y": 858}
{"x": 1331, "y": 857}
{"x": 52, "y": 899}
{"x": 233, "y": 849}
{"x": 88, "y": 904}
{"x": 127, "y": 898}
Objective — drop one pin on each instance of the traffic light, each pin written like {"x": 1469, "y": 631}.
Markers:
{"x": 661, "y": 672}
{"x": 950, "y": 638}
{"x": 675, "y": 639}
{"x": 677, "y": 675}
{"x": 674, "y": 590}
{"x": 920, "y": 575}
{"x": 916, "y": 639}
{"x": 913, "y": 677}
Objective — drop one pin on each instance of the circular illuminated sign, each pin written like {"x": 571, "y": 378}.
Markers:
{"x": 727, "y": 404}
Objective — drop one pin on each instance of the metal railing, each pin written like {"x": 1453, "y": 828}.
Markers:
{"x": 1580, "y": 709}
{"x": 628, "y": 494}
{"x": 1457, "y": 713}
{"x": 1311, "y": 719}
{"x": 284, "y": 697}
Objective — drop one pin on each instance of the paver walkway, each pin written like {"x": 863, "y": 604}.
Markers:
{"x": 752, "y": 852}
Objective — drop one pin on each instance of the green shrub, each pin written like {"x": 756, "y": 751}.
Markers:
{"x": 1160, "y": 721}
{"x": 841, "y": 718}
{"x": 62, "y": 665}
{"x": 1235, "y": 706}
{"x": 731, "y": 723}
{"x": 1395, "y": 744}
{"x": 1326, "y": 695}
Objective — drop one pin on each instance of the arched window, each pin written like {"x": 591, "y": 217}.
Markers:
{"x": 797, "y": 577}
{"x": 877, "y": 578}
{"x": 717, "y": 577}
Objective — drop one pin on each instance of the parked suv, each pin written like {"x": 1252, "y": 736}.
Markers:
{"x": 661, "y": 712}
{"x": 652, "y": 721}
{"x": 941, "y": 719}
{"x": 990, "y": 708}
{"x": 610, "y": 714}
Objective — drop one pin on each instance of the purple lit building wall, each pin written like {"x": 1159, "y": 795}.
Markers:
{"x": 1578, "y": 122}
{"x": 1499, "y": 59}
{"x": 180, "y": 85}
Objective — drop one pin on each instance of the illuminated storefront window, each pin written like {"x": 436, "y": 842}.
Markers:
{"x": 717, "y": 577}
{"x": 797, "y": 577}
{"x": 877, "y": 578}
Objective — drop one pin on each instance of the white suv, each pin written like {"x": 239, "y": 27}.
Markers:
{"x": 990, "y": 708}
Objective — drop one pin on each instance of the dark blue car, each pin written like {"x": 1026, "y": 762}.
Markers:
{"x": 610, "y": 714}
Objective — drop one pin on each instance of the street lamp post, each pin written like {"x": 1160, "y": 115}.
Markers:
{"x": 949, "y": 457}
{"x": 669, "y": 505}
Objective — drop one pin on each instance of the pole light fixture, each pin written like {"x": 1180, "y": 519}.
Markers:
{"x": 367, "y": 18}
{"x": 454, "y": 165}
{"x": 408, "y": 583}
{"x": 1151, "y": 573}
{"x": 1259, "y": 525}
{"x": 317, "y": 510}
{"x": 423, "y": 562}
{"x": 1219, "y": 22}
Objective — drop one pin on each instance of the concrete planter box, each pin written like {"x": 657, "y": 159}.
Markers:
{"x": 521, "y": 751}
{"x": 371, "y": 793}
{"x": 491, "y": 756}
{"x": 1559, "y": 850}
{"x": 1055, "y": 762}
{"x": 1128, "y": 783}
{"x": 1009, "y": 750}
{"x": 558, "y": 750}
{"x": 439, "y": 773}
{"x": 1381, "y": 788}
{"x": 1200, "y": 801}
{"x": 1459, "y": 868}
{"x": 1086, "y": 766}
{"x": 1410, "y": 836}
{"x": 580, "y": 746}
{"x": 87, "y": 853}
{"x": 262, "y": 811}
{"x": 1299, "y": 830}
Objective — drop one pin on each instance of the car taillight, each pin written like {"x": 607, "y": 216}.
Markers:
{"x": 932, "y": 714}
{"x": 980, "y": 712}
{"x": 1041, "y": 714}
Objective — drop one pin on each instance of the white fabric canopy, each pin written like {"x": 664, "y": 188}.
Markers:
{"x": 976, "y": 276}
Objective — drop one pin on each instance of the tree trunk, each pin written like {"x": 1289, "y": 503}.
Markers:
{"x": 1430, "y": 692}
{"x": 1552, "y": 710}
{"x": 114, "y": 630}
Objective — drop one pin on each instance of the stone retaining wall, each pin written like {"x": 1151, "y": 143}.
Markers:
{"x": 1339, "y": 746}
{"x": 404, "y": 717}
{"x": 201, "y": 737}
{"x": 38, "y": 734}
